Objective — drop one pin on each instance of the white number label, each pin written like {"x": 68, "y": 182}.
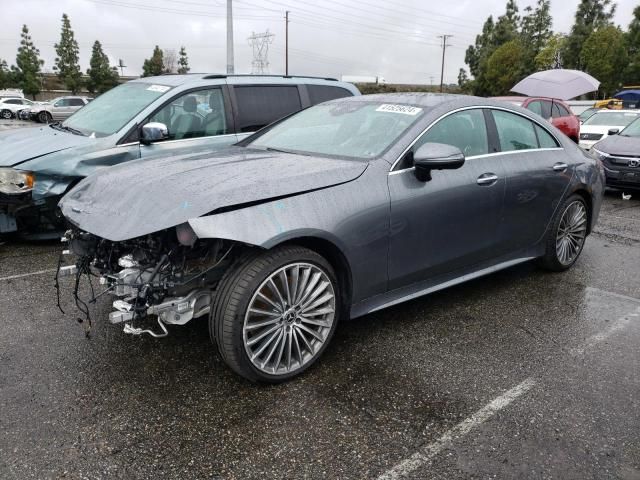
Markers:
{"x": 405, "y": 109}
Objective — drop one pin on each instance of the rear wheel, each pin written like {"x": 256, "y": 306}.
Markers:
{"x": 275, "y": 312}
{"x": 6, "y": 114}
{"x": 44, "y": 117}
{"x": 566, "y": 237}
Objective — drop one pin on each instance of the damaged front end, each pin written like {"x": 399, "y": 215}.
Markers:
{"x": 170, "y": 275}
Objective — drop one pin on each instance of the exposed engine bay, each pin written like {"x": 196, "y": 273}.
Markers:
{"x": 169, "y": 274}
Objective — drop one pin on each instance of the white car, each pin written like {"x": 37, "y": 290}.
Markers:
{"x": 9, "y": 107}
{"x": 603, "y": 123}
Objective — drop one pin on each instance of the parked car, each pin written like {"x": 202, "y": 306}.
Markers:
{"x": 58, "y": 109}
{"x": 342, "y": 209}
{"x": 630, "y": 98}
{"x": 551, "y": 109}
{"x": 10, "y": 106}
{"x": 195, "y": 111}
{"x": 11, "y": 93}
{"x": 620, "y": 155}
{"x": 603, "y": 123}
{"x": 587, "y": 113}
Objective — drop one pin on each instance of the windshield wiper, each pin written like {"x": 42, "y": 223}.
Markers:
{"x": 270, "y": 149}
{"x": 72, "y": 130}
{"x": 60, "y": 126}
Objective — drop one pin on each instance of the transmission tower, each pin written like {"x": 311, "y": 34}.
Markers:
{"x": 259, "y": 43}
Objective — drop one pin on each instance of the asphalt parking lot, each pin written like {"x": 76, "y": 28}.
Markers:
{"x": 522, "y": 374}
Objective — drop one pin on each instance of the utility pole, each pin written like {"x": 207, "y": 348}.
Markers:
{"x": 230, "y": 63}
{"x": 444, "y": 49}
{"x": 286, "y": 43}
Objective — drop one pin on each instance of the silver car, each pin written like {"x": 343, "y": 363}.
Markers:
{"x": 340, "y": 210}
{"x": 58, "y": 109}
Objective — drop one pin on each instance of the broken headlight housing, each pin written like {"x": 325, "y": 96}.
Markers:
{"x": 15, "y": 181}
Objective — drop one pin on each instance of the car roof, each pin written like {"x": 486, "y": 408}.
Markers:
{"x": 175, "y": 80}
{"x": 625, "y": 110}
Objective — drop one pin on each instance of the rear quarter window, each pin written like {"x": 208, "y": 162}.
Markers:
{"x": 545, "y": 139}
{"x": 324, "y": 93}
{"x": 261, "y": 105}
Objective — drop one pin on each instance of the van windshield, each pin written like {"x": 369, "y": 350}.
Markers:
{"x": 112, "y": 110}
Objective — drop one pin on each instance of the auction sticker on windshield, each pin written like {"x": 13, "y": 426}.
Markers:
{"x": 405, "y": 109}
{"x": 158, "y": 88}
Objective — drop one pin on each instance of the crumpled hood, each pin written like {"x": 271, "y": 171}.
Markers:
{"x": 620, "y": 145}
{"x": 22, "y": 144}
{"x": 149, "y": 195}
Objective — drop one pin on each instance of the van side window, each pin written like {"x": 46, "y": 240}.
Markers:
{"x": 261, "y": 105}
{"x": 324, "y": 93}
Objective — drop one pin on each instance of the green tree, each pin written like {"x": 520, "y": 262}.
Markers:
{"x": 632, "y": 72}
{"x": 604, "y": 56}
{"x": 549, "y": 56}
{"x": 506, "y": 25}
{"x": 5, "y": 74}
{"x": 154, "y": 65}
{"x": 535, "y": 28}
{"x": 590, "y": 16}
{"x": 505, "y": 67}
{"x": 68, "y": 53}
{"x": 102, "y": 76}
{"x": 183, "y": 61}
{"x": 26, "y": 73}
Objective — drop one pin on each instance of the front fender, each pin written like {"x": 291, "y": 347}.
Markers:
{"x": 353, "y": 216}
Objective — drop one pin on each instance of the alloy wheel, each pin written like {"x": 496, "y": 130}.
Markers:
{"x": 289, "y": 318}
{"x": 572, "y": 232}
{"x": 6, "y": 114}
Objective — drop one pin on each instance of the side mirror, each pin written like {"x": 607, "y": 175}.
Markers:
{"x": 154, "y": 132}
{"x": 436, "y": 156}
{"x": 613, "y": 131}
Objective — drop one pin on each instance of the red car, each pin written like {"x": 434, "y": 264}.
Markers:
{"x": 552, "y": 109}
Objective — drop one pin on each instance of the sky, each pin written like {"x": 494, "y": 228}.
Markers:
{"x": 395, "y": 39}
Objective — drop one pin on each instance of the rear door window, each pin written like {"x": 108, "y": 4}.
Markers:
{"x": 514, "y": 132}
{"x": 545, "y": 139}
{"x": 260, "y": 105}
{"x": 324, "y": 93}
{"x": 563, "y": 111}
{"x": 76, "y": 102}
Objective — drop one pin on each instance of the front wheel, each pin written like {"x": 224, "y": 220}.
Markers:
{"x": 44, "y": 117}
{"x": 566, "y": 236}
{"x": 275, "y": 312}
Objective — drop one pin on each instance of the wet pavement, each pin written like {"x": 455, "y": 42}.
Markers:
{"x": 521, "y": 374}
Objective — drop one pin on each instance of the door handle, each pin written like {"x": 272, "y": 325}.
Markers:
{"x": 560, "y": 167}
{"x": 487, "y": 179}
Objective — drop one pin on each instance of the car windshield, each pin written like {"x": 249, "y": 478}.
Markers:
{"x": 587, "y": 113}
{"x": 345, "y": 129}
{"x": 617, "y": 119}
{"x": 114, "y": 109}
{"x": 632, "y": 130}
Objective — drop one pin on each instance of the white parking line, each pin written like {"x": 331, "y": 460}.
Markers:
{"x": 420, "y": 458}
{"x": 618, "y": 325}
{"x": 39, "y": 272}
{"x": 424, "y": 456}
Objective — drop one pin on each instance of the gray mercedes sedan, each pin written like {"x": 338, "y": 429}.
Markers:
{"x": 337, "y": 211}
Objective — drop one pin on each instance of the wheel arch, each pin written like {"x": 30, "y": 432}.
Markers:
{"x": 586, "y": 196}
{"x": 338, "y": 260}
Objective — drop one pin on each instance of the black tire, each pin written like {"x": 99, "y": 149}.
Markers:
{"x": 6, "y": 114}
{"x": 550, "y": 260}
{"x": 44, "y": 117}
{"x": 232, "y": 299}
